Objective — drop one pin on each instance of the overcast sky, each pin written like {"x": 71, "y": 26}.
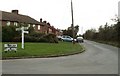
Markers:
{"x": 87, "y": 13}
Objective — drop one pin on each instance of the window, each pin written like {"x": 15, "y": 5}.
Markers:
{"x": 8, "y": 23}
{"x": 15, "y": 23}
{"x": 28, "y": 25}
{"x": 33, "y": 25}
{"x": 38, "y": 27}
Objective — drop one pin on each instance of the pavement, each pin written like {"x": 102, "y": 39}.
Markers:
{"x": 97, "y": 59}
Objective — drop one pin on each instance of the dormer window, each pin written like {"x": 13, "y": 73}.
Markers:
{"x": 8, "y": 23}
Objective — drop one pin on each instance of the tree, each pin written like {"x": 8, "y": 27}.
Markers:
{"x": 69, "y": 31}
{"x": 76, "y": 28}
{"x": 105, "y": 33}
{"x": 90, "y": 34}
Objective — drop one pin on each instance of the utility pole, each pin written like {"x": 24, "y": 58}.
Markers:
{"x": 119, "y": 11}
{"x": 81, "y": 30}
{"x": 72, "y": 22}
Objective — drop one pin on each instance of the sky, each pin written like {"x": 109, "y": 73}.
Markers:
{"x": 87, "y": 13}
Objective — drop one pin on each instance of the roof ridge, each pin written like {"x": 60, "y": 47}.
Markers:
{"x": 18, "y": 17}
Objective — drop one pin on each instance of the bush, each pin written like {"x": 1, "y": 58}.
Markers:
{"x": 8, "y": 33}
{"x": 51, "y": 38}
{"x": 29, "y": 39}
{"x": 36, "y": 34}
{"x": 17, "y": 39}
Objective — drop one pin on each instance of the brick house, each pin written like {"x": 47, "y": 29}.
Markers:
{"x": 47, "y": 28}
{"x": 15, "y": 19}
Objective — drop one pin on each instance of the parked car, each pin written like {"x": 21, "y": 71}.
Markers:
{"x": 59, "y": 37}
{"x": 80, "y": 39}
{"x": 67, "y": 38}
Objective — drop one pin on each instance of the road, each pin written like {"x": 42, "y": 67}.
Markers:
{"x": 97, "y": 59}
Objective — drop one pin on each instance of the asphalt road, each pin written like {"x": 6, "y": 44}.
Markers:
{"x": 97, "y": 59}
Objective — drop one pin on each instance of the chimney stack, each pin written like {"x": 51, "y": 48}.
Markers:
{"x": 48, "y": 23}
{"x": 45, "y": 22}
{"x": 41, "y": 20}
{"x": 15, "y": 11}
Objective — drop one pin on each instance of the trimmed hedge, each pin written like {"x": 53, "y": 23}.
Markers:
{"x": 9, "y": 34}
{"x": 50, "y": 38}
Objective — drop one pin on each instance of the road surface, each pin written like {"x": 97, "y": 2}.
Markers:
{"x": 97, "y": 59}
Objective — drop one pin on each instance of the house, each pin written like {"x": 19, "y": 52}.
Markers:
{"x": 47, "y": 28}
{"x": 16, "y": 19}
{"x": 59, "y": 32}
{"x": 13, "y": 18}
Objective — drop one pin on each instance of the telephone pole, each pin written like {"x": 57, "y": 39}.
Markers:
{"x": 72, "y": 22}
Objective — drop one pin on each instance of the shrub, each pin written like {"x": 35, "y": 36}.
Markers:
{"x": 51, "y": 38}
{"x": 17, "y": 39}
{"x": 8, "y": 33}
{"x": 36, "y": 34}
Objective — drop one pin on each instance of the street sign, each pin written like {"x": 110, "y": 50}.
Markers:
{"x": 26, "y": 32}
{"x": 22, "y": 29}
{"x": 17, "y": 29}
{"x": 10, "y": 47}
{"x": 25, "y": 28}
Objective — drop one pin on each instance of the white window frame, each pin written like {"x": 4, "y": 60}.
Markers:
{"x": 8, "y": 23}
{"x": 15, "y": 24}
{"x": 28, "y": 25}
{"x": 38, "y": 27}
{"x": 33, "y": 25}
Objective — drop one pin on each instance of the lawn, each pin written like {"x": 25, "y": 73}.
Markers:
{"x": 0, "y": 50}
{"x": 43, "y": 50}
{"x": 113, "y": 43}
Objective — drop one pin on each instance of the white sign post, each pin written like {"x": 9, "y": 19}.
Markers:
{"x": 22, "y": 30}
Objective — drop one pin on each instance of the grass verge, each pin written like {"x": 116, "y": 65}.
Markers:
{"x": 43, "y": 50}
{"x": 116, "y": 44}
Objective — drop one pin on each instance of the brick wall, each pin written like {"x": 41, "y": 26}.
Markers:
{"x": 4, "y": 23}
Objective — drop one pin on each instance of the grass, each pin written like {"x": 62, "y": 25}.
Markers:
{"x": 116, "y": 44}
{"x": 0, "y": 50}
{"x": 43, "y": 49}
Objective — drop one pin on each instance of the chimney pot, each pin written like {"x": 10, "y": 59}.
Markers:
{"x": 45, "y": 21}
{"x": 15, "y": 11}
{"x": 48, "y": 23}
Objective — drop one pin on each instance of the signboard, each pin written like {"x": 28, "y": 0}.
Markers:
{"x": 10, "y": 47}
{"x": 23, "y": 31}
